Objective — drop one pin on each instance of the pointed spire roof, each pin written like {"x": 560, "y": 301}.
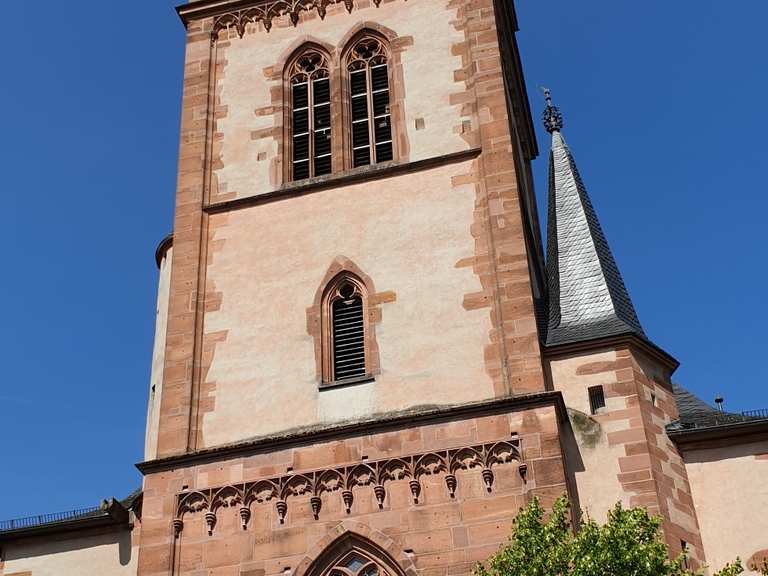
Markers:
{"x": 587, "y": 296}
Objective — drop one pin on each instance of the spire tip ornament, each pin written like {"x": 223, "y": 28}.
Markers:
{"x": 553, "y": 119}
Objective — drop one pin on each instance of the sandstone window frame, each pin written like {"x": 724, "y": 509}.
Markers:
{"x": 352, "y": 57}
{"x": 335, "y": 55}
{"x": 310, "y": 63}
{"x": 353, "y": 555}
{"x": 318, "y": 321}
{"x": 333, "y": 295}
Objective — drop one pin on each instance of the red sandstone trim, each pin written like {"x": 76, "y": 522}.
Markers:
{"x": 552, "y": 352}
{"x": 375, "y": 423}
{"x": 345, "y": 478}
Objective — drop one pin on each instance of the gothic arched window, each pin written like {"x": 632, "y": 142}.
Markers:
{"x": 310, "y": 118}
{"x": 354, "y": 555}
{"x": 345, "y": 329}
{"x": 369, "y": 108}
{"x": 357, "y": 563}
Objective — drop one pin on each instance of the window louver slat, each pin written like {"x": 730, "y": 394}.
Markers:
{"x": 348, "y": 339}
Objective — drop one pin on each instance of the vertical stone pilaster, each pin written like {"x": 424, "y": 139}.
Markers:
{"x": 182, "y": 340}
{"x": 501, "y": 259}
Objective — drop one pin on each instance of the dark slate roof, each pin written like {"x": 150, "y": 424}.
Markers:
{"x": 695, "y": 414}
{"x": 587, "y": 296}
{"x": 112, "y": 509}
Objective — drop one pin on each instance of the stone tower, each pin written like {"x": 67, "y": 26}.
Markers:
{"x": 349, "y": 373}
{"x": 615, "y": 382}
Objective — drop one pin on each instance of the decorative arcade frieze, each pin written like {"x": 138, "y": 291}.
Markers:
{"x": 345, "y": 479}
{"x": 266, "y": 12}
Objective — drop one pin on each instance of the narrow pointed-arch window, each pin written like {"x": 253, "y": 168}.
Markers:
{"x": 371, "y": 121}
{"x": 346, "y": 329}
{"x": 309, "y": 78}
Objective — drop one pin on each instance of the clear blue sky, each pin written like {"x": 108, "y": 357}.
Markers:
{"x": 664, "y": 110}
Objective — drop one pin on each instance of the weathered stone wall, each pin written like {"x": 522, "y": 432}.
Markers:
{"x": 730, "y": 493}
{"x": 158, "y": 356}
{"x": 71, "y": 554}
{"x": 436, "y": 536}
{"x": 250, "y": 97}
{"x": 410, "y": 234}
{"x": 442, "y": 241}
{"x": 597, "y": 463}
{"x": 673, "y": 490}
{"x": 622, "y": 453}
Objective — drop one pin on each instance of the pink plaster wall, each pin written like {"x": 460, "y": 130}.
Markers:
{"x": 408, "y": 233}
{"x": 248, "y": 80}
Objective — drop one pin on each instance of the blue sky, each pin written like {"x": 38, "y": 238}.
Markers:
{"x": 663, "y": 110}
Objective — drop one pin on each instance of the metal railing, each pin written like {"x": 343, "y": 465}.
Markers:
{"x": 716, "y": 418}
{"x": 763, "y": 413}
{"x": 40, "y": 519}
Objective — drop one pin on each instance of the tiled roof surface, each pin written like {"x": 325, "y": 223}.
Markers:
{"x": 695, "y": 414}
{"x": 587, "y": 296}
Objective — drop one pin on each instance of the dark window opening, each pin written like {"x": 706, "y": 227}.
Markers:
{"x": 310, "y": 116}
{"x": 684, "y": 549}
{"x": 370, "y": 110}
{"x": 596, "y": 399}
{"x": 348, "y": 335}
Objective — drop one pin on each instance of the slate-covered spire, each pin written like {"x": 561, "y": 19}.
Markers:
{"x": 587, "y": 296}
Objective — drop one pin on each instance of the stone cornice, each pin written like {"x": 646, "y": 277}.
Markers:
{"x": 347, "y": 478}
{"x": 632, "y": 340}
{"x": 345, "y": 178}
{"x": 237, "y": 14}
{"x": 376, "y": 423}
{"x": 201, "y": 9}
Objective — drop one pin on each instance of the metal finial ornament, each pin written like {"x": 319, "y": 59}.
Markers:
{"x": 553, "y": 119}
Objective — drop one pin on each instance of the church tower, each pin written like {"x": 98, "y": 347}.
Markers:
{"x": 615, "y": 382}
{"x": 349, "y": 371}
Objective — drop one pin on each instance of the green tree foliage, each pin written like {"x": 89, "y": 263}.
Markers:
{"x": 628, "y": 544}
{"x": 762, "y": 567}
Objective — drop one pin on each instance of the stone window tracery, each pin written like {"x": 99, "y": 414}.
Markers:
{"x": 356, "y": 563}
{"x": 369, "y": 108}
{"x": 310, "y": 114}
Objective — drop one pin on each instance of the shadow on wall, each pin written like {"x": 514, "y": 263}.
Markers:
{"x": 575, "y": 463}
{"x": 71, "y": 542}
{"x": 717, "y": 454}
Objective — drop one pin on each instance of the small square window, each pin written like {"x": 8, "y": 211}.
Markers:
{"x": 596, "y": 399}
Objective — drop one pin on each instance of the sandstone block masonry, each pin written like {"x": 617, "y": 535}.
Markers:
{"x": 436, "y": 495}
{"x": 623, "y": 450}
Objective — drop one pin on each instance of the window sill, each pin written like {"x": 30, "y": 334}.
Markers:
{"x": 348, "y": 382}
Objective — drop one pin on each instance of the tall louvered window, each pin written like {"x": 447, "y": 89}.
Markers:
{"x": 310, "y": 115}
{"x": 348, "y": 333}
{"x": 371, "y": 122}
